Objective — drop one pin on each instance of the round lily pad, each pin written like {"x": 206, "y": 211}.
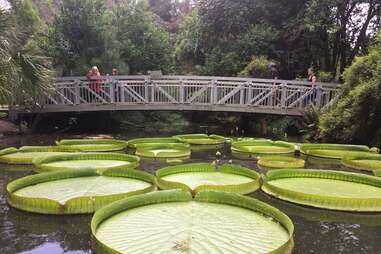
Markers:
{"x": 200, "y": 139}
{"x": 335, "y": 151}
{"x": 169, "y": 150}
{"x": 133, "y": 142}
{"x": 26, "y": 154}
{"x": 260, "y": 147}
{"x": 367, "y": 162}
{"x": 174, "y": 222}
{"x": 76, "y": 191}
{"x": 327, "y": 189}
{"x": 197, "y": 177}
{"x": 85, "y": 160}
{"x": 94, "y": 145}
{"x": 278, "y": 162}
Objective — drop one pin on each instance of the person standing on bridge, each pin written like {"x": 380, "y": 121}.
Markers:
{"x": 312, "y": 78}
{"x": 95, "y": 83}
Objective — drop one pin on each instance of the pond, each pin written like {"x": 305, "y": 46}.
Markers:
{"x": 316, "y": 230}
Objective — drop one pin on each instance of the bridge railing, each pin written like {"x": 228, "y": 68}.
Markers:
{"x": 240, "y": 93}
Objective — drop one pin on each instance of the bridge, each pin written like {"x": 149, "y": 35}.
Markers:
{"x": 286, "y": 97}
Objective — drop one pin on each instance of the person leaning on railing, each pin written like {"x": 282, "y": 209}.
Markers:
{"x": 95, "y": 83}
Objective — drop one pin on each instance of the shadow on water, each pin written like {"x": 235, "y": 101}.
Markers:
{"x": 316, "y": 230}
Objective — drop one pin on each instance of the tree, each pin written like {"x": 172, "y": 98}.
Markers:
{"x": 24, "y": 70}
{"x": 143, "y": 44}
{"x": 356, "y": 117}
{"x": 82, "y": 36}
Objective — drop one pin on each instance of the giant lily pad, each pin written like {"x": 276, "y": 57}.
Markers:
{"x": 370, "y": 162}
{"x": 278, "y": 162}
{"x": 203, "y": 176}
{"x": 260, "y": 147}
{"x": 85, "y": 160}
{"x": 200, "y": 139}
{"x": 328, "y": 189}
{"x": 335, "y": 151}
{"x": 26, "y": 154}
{"x": 133, "y": 142}
{"x": 169, "y": 150}
{"x": 94, "y": 145}
{"x": 173, "y": 222}
{"x": 76, "y": 191}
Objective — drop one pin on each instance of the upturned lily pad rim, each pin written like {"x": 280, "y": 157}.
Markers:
{"x": 308, "y": 149}
{"x": 76, "y": 205}
{"x": 42, "y": 163}
{"x": 239, "y": 146}
{"x": 29, "y": 149}
{"x": 267, "y": 161}
{"x": 168, "y": 196}
{"x": 115, "y": 144}
{"x": 321, "y": 201}
{"x": 192, "y": 139}
{"x": 244, "y": 188}
{"x": 145, "y": 150}
{"x": 350, "y": 162}
{"x": 161, "y": 140}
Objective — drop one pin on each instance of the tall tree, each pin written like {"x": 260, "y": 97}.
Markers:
{"x": 82, "y": 37}
{"x": 143, "y": 44}
{"x": 24, "y": 70}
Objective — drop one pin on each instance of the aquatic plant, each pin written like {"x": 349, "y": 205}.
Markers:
{"x": 371, "y": 162}
{"x": 200, "y": 139}
{"x": 327, "y": 189}
{"x": 258, "y": 147}
{"x": 164, "y": 150}
{"x": 183, "y": 224}
{"x": 26, "y": 154}
{"x": 198, "y": 177}
{"x": 279, "y": 162}
{"x": 133, "y": 142}
{"x": 76, "y": 191}
{"x": 77, "y": 161}
{"x": 94, "y": 145}
{"x": 334, "y": 151}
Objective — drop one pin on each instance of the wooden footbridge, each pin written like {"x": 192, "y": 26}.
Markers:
{"x": 286, "y": 97}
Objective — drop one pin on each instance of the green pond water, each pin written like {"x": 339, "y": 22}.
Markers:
{"x": 316, "y": 230}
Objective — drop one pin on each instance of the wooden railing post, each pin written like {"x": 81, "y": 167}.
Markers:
{"x": 113, "y": 84}
{"x": 146, "y": 89}
{"x": 181, "y": 87}
{"x": 319, "y": 92}
{"x": 213, "y": 92}
{"x": 77, "y": 91}
{"x": 283, "y": 95}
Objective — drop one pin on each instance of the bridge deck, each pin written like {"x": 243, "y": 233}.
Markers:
{"x": 184, "y": 93}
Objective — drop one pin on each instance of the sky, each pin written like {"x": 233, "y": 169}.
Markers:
{"x": 4, "y": 4}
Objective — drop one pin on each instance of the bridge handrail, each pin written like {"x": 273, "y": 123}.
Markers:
{"x": 199, "y": 78}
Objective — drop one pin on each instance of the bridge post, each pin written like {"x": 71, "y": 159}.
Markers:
{"x": 113, "y": 85}
{"x": 77, "y": 91}
{"x": 181, "y": 87}
{"x": 283, "y": 95}
{"x": 319, "y": 93}
{"x": 242, "y": 93}
{"x": 146, "y": 90}
{"x": 213, "y": 92}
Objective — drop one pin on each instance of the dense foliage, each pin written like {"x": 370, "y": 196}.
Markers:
{"x": 356, "y": 117}
{"x": 25, "y": 71}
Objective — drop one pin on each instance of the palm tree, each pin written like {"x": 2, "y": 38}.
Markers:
{"x": 25, "y": 73}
